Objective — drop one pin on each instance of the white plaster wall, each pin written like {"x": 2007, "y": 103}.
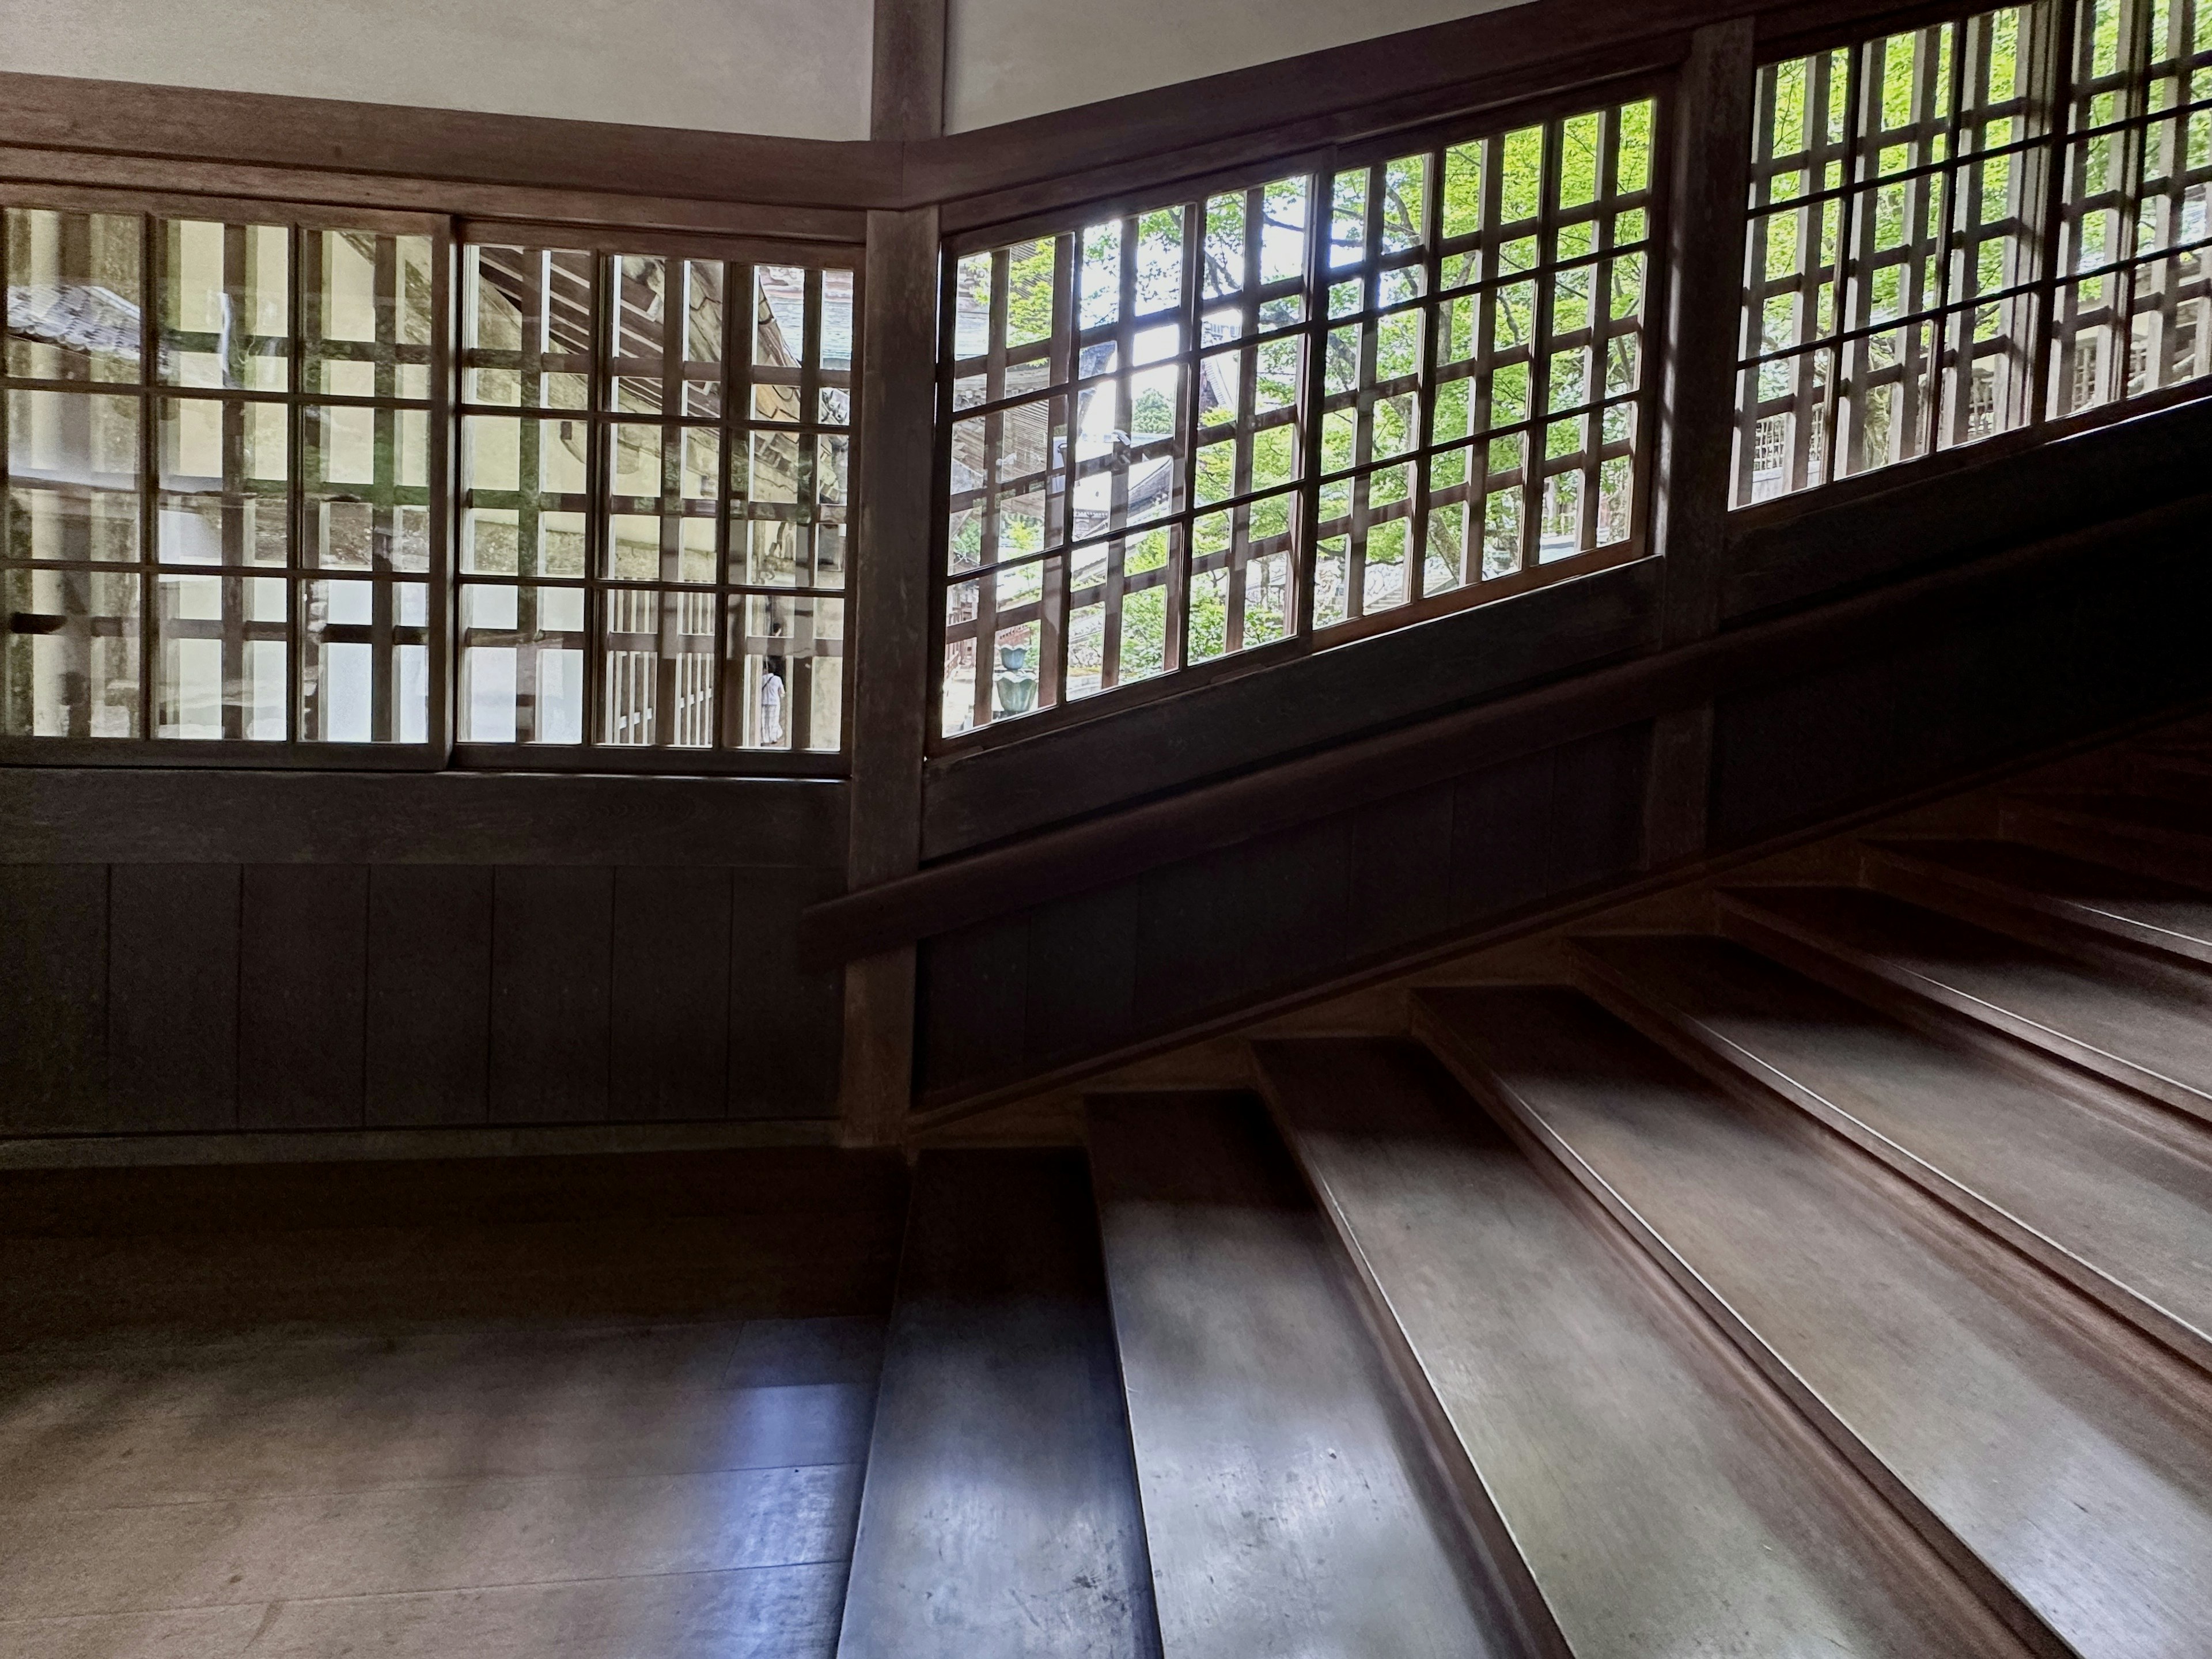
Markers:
{"x": 793, "y": 67}
{"x": 1009, "y": 58}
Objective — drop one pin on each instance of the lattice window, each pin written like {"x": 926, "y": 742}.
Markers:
{"x": 655, "y": 465}
{"x": 220, "y": 516}
{"x": 2133, "y": 310}
{"x": 1294, "y": 409}
{"x": 1895, "y": 248}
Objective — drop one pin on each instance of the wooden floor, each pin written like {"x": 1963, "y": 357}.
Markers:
{"x": 427, "y": 1411}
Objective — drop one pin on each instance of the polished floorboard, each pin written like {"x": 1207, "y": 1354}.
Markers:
{"x": 607, "y": 1409}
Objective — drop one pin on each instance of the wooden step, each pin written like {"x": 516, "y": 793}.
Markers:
{"x": 2019, "y": 889}
{"x": 1290, "y": 1501}
{"x": 2061, "y": 1462}
{"x": 2123, "y": 1217}
{"x": 1664, "y": 1500}
{"x": 2171, "y": 840}
{"x": 1000, "y": 1518}
{"x": 2158, "y": 1040}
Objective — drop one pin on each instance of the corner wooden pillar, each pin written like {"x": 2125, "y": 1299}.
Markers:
{"x": 1712, "y": 172}
{"x": 890, "y": 628}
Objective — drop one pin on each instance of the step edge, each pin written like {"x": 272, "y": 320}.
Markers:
{"x": 1973, "y": 1582}
{"x": 1747, "y": 1075}
{"x": 1498, "y": 1554}
{"x": 1743, "y": 919}
{"x": 2065, "y": 916}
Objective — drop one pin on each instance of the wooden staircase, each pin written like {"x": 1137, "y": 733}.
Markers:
{"x": 1831, "y": 1277}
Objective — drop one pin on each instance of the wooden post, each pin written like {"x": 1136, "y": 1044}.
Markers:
{"x": 1712, "y": 150}
{"x": 889, "y": 626}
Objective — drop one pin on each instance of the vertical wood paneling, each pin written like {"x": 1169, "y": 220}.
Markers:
{"x": 1185, "y": 944}
{"x": 302, "y": 991}
{"x": 429, "y": 993}
{"x": 1597, "y": 807}
{"x": 785, "y": 1025}
{"x": 1501, "y": 818}
{"x": 1079, "y": 972}
{"x": 974, "y": 999}
{"x": 173, "y": 996}
{"x": 552, "y": 932}
{"x": 670, "y": 993}
{"x": 53, "y": 998}
{"x": 1400, "y": 879}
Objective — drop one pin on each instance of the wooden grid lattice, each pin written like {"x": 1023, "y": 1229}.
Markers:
{"x": 654, "y": 508}
{"x": 220, "y": 505}
{"x": 2133, "y": 313}
{"x": 1296, "y": 410}
{"x": 1895, "y": 249}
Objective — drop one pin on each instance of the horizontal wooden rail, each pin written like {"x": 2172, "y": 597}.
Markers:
{"x": 1094, "y": 854}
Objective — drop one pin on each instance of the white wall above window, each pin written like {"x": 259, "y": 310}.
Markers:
{"x": 793, "y": 68}
{"x": 1010, "y": 58}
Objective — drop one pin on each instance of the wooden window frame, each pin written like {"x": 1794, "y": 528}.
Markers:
{"x": 604, "y": 243}
{"x": 2050, "y": 30}
{"x": 1064, "y": 218}
{"x": 292, "y": 751}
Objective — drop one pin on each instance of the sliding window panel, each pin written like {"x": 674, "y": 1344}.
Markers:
{"x": 1896, "y": 259}
{"x": 2133, "y": 307}
{"x": 656, "y": 465}
{"x": 1291, "y": 411}
{"x": 211, "y": 415}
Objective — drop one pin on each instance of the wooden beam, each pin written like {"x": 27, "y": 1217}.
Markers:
{"x": 1709, "y": 141}
{"x": 1130, "y": 142}
{"x": 62, "y": 113}
{"x": 63, "y": 814}
{"x": 906, "y": 99}
{"x": 1086, "y": 855}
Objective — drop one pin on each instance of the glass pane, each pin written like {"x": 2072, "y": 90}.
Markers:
{"x": 365, "y": 662}
{"x": 522, "y": 665}
{"x": 226, "y": 482}
{"x": 658, "y": 668}
{"x": 72, "y": 476}
{"x": 219, "y": 656}
{"x": 366, "y": 473}
{"x": 787, "y": 659}
{"x": 75, "y": 296}
{"x": 226, "y": 312}
{"x": 526, "y": 326}
{"x": 70, "y": 667}
{"x": 369, "y": 313}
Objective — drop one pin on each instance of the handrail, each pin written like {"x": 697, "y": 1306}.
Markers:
{"x": 1098, "y": 851}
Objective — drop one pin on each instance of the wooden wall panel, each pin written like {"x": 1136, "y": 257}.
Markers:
{"x": 429, "y": 1013}
{"x": 979, "y": 796}
{"x": 973, "y": 997}
{"x": 302, "y": 985}
{"x": 53, "y": 998}
{"x": 2020, "y": 677}
{"x": 1500, "y": 817}
{"x": 314, "y": 951}
{"x": 671, "y": 986}
{"x": 173, "y": 996}
{"x": 1079, "y": 972}
{"x": 1399, "y": 887}
{"x": 1101, "y": 971}
{"x": 786, "y": 1024}
{"x": 1597, "y": 808}
{"x": 552, "y": 936}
